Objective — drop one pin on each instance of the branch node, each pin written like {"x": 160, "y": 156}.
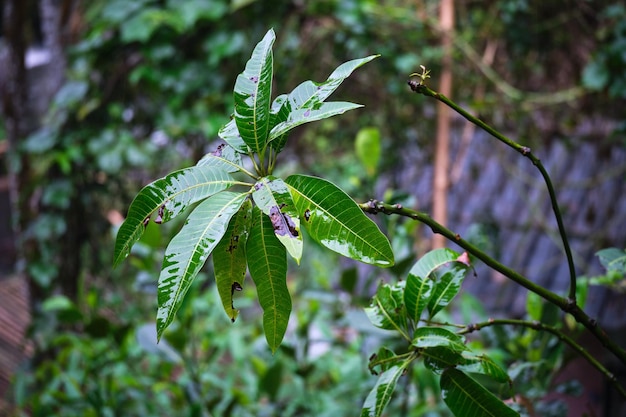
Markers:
{"x": 525, "y": 150}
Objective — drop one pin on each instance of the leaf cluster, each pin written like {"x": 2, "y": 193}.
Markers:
{"x": 408, "y": 308}
{"x": 253, "y": 224}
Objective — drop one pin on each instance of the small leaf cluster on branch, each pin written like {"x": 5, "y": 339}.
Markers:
{"x": 431, "y": 285}
{"x": 252, "y": 224}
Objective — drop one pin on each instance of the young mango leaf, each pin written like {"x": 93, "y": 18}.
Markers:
{"x": 306, "y": 115}
{"x": 483, "y": 364}
{"x": 417, "y": 293}
{"x": 229, "y": 258}
{"x": 384, "y": 359}
{"x": 252, "y": 93}
{"x": 433, "y": 260}
{"x": 189, "y": 249}
{"x": 267, "y": 263}
{"x": 308, "y": 95}
{"x": 466, "y": 397}
{"x": 334, "y": 220}
{"x": 230, "y": 134}
{"x": 448, "y": 282}
{"x": 170, "y": 195}
{"x": 425, "y": 337}
{"x": 224, "y": 158}
{"x": 272, "y": 196}
{"x": 387, "y": 311}
{"x": 380, "y": 395}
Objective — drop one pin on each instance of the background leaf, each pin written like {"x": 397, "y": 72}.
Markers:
{"x": 334, "y": 220}
{"x": 189, "y": 250}
{"x": 612, "y": 259}
{"x": 252, "y": 93}
{"x": 229, "y": 258}
{"x": 467, "y": 398}
{"x": 267, "y": 263}
{"x": 368, "y": 148}
{"x": 175, "y": 193}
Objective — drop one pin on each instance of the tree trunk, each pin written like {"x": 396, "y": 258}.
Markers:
{"x": 442, "y": 147}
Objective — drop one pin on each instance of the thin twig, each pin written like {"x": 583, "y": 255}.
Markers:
{"x": 556, "y": 332}
{"x": 564, "y": 304}
{"x": 525, "y": 151}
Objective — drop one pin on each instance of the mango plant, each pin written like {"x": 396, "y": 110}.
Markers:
{"x": 408, "y": 308}
{"x": 244, "y": 216}
{"x": 250, "y": 221}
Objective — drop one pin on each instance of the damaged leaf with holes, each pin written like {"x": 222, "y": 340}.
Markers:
{"x": 248, "y": 219}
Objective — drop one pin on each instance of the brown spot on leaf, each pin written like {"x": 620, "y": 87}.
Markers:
{"x": 218, "y": 151}
{"x": 159, "y": 217}
{"x": 282, "y": 222}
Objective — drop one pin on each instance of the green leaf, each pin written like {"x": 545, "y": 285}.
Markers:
{"x": 422, "y": 289}
{"x": 386, "y": 310}
{"x": 229, "y": 258}
{"x": 433, "y": 260}
{"x": 417, "y": 293}
{"x": 267, "y": 263}
{"x": 252, "y": 94}
{"x": 279, "y": 112}
{"x": 306, "y": 115}
{"x": 467, "y": 398}
{"x": 307, "y": 95}
{"x": 334, "y": 220}
{"x": 448, "y": 282}
{"x": 272, "y": 196}
{"x": 189, "y": 249}
{"x": 425, "y": 337}
{"x": 230, "y": 134}
{"x": 534, "y": 306}
{"x": 368, "y": 148}
{"x": 384, "y": 359}
{"x": 483, "y": 364}
{"x": 440, "y": 358}
{"x": 380, "y": 395}
{"x": 170, "y": 195}
{"x": 224, "y": 158}
{"x": 613, "y": 259}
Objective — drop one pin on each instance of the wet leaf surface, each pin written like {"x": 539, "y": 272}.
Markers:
{"x": 272, "y": 196}
{"x": 189, "y": 249}
{"x": 170, "y": 195}
{"x": 267, "y": 263}
{"x": 467, "y": 398}
{"x": 252, "y": 95}
{"x": 337, "y": 222}
{"x": 229, "y": 258}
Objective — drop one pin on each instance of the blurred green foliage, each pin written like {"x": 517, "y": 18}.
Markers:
{"x": 148, "y": 86}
